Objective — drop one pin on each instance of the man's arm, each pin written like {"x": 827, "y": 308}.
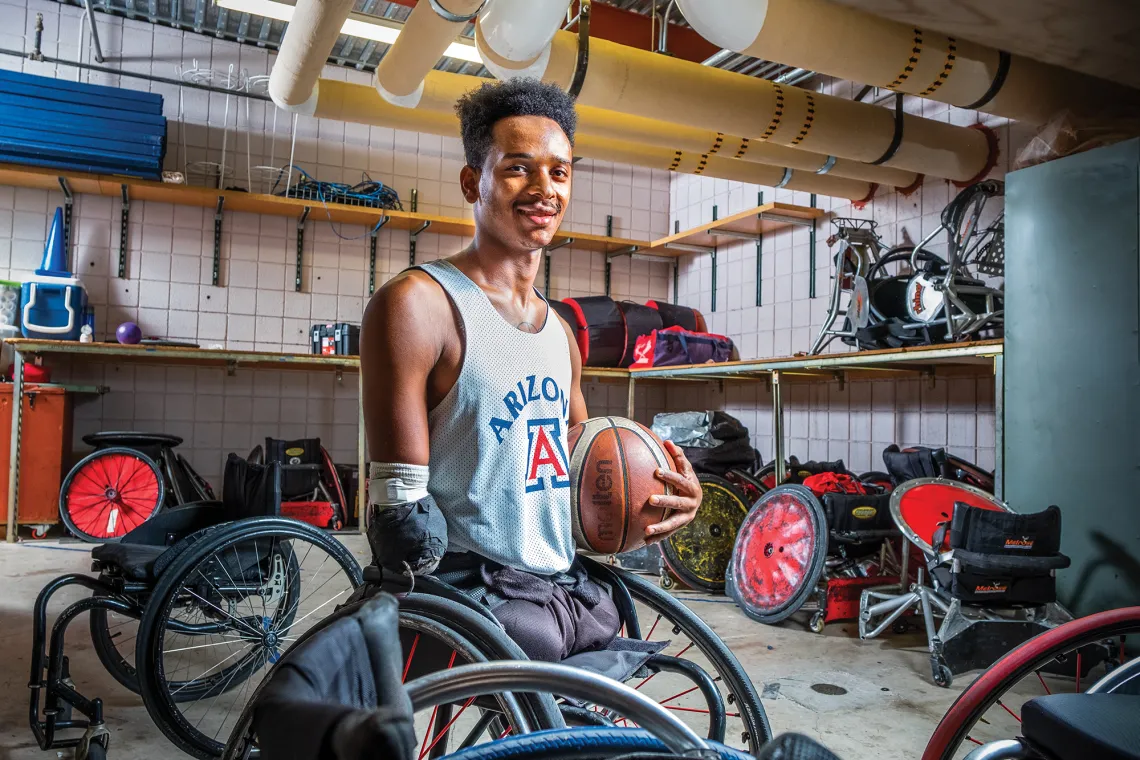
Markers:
{"x": 400, "y": 343}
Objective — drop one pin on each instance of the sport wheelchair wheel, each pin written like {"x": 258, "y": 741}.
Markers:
{"x": 224, "y": 608}
{"x": 1060, "y": 659}
{"x": 110, "y": 493}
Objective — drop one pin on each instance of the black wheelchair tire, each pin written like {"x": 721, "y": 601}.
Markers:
{"x": 101, "y": 641}
{"x": 581, "y": 744}
{"x": 723, "y": 660}
{"x": 160, "y": 704}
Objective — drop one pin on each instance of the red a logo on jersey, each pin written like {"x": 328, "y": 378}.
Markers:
{"x": 546, "y": 457}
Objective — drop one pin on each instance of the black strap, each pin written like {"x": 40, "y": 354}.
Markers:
{"x": 1004, "y": 60}
{"x": 896, "y": 141}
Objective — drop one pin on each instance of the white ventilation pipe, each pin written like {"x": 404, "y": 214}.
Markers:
{"x": 516, "y": 34}
{"x": 851, "y": 44}
{"x": 361, "y": 104}
{"x": 308, "y": 40}
{"x": 430, "y": 28}
{"x": 638, "y": 82}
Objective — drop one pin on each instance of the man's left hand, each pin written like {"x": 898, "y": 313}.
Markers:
{"x": 682, "y": 503}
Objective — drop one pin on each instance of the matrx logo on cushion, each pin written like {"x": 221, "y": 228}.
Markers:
{"x": 991, "y": 588}
{"x": 546, "y": 459}
{"x": 1019, "y": 543}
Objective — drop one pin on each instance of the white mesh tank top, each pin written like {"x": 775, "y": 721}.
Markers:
{"x": 499, "y": 465}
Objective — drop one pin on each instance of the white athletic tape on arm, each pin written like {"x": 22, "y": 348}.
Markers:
{"x": 392, "y": 483}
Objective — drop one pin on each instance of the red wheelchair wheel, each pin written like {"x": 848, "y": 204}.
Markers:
{"x": 779, "y": 554}
{"x": 110, "y": 493}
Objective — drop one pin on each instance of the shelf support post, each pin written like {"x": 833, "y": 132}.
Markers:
{"x": 609, "y": 233}
{"x": 676, "y": 277}
{"x": 124, "y": 232}
{"x": 414, "y": 236}
{"x": 372, "y": 254}
{"x": 299, "y": 270}
{"x": 714, "y": 214}
{"x": 630, "y": 398}
{"x": 778, "y": 428}
{"x": 760, "y": 256}
{"x": 14, "y": 446}
{"x": 999, "y": 426}
{"x": 68, "y": 206}
{"x": 811, "y": 254}
{"x": 216, "y": 274}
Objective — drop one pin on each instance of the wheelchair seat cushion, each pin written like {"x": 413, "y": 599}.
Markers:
{"x": 134, "y": 561}
{"x": 1080, "y": 726}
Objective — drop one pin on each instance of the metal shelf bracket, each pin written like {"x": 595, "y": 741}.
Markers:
{"x": 124, "y": 232}
{"x": 216, "y": 272}
{"x": 299, "y": 271}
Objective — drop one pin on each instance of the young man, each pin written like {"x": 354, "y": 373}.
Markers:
{"x": 470, "y": 384}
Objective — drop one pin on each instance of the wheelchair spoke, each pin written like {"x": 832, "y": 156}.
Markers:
{"x": 443, "y": 731}
{"x": 653, "y": 628}
{"x": 206, "y": 646}
{"x": 1011, "y": 712}
{"x": 210, "y": 604}
{"x": 1043, "y": 684}
{"x": 212, "y": 668}
{"x": 411, "y": 654}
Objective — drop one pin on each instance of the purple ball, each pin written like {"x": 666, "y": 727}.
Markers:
{"x": 128, "y": 333}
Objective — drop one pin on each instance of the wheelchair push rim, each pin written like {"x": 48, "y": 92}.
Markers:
{"x": 920, "y": 506}
{"x": 779, "y": 554}
{"x": 109, "y": 493}
{"x": 226, "y": 608}
{"x": 1067, "y": 658}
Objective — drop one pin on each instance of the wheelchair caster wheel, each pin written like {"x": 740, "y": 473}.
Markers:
{"x": 942, "y": 676}
{"x": 666, "y": 582}
{"x": 816, "y": 623}
{"x": 39, "y": 531}
{"x": 900, "y": 627}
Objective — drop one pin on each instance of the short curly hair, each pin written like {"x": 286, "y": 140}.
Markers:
{"x": 479, "y": 110}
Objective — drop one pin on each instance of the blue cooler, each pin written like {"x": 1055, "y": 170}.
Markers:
{"x": 52, "y": 308}
{"x": 53, "y": 301}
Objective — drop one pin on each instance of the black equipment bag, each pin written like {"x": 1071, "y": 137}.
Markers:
{"x": 674, "y": 315}
{"x": 565, "y": 311}
{"x": 1004, "y": 557}
{"x": 601, "y": 330}
{"x": 735, "y": 450}
{"x": 639, "y": 320}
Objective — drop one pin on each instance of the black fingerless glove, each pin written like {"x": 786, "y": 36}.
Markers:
{"x": 411, "y": 536}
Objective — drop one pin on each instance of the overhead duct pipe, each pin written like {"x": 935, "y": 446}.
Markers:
{"x": 517, "y": 33}
{"x": 308, "y": 40}
{"x": 431, "y": 27}
{"x": 621, "y": 78}
{"x": 822, "y": 36}
{"x": 619, "y": 126}
{"x": 361, "y": 104}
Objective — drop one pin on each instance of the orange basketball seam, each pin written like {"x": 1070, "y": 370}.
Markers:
{"x": 624, "y": 470}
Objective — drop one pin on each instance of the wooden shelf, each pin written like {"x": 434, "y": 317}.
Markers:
{"x": 208, "y": 357}
{"x": 971, "y": 356}
{"x": 274, "y": 205}
{"x": 746, "y": 224}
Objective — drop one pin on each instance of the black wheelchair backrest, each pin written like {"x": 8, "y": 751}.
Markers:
{"x": 986, "y": 531}
{"x": 917, "y": 462}
{"x": 251, "y": 490}
{"x": 340, "y": 694}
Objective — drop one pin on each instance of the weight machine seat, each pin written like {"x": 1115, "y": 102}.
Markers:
{"x": 134, "y": 561}
{"x": 1081, "y": 726}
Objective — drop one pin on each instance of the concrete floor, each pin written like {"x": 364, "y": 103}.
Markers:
{"x": 889, "y": 709}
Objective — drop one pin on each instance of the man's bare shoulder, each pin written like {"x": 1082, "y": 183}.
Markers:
{"x": 411, "y": 311}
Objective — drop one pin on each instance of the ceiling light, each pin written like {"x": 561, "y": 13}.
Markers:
{"x": 356, "y": 25}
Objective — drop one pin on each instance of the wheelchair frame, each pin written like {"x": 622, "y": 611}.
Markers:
{"x": 113, "y": 592}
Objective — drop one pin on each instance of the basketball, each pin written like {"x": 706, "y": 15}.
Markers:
{"x": 612, "y": 461}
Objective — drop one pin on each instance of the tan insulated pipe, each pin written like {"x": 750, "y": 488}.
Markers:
{"x": 431, "y": 27}
{"x": 620, "y": 126}
{"x": 848, "y": 43}
{"x": 342, "y": 101}
{"x": 308, "y": 40}
{"x": 621, "y": 78}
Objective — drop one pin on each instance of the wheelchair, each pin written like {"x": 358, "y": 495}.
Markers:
{"x": 991, "y": 575}
{"x": 187, "y": 610}
{"x": 668, "y": 655}
{"x": 1031, "y": 704}
{"x": 343, "y": 690}
{"x": 126, "y": 480}
{"x": 311, "y": 487}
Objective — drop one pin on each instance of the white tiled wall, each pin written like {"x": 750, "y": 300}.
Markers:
{"x": 822, "y": 421}
{"x": 168, "y": 289}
